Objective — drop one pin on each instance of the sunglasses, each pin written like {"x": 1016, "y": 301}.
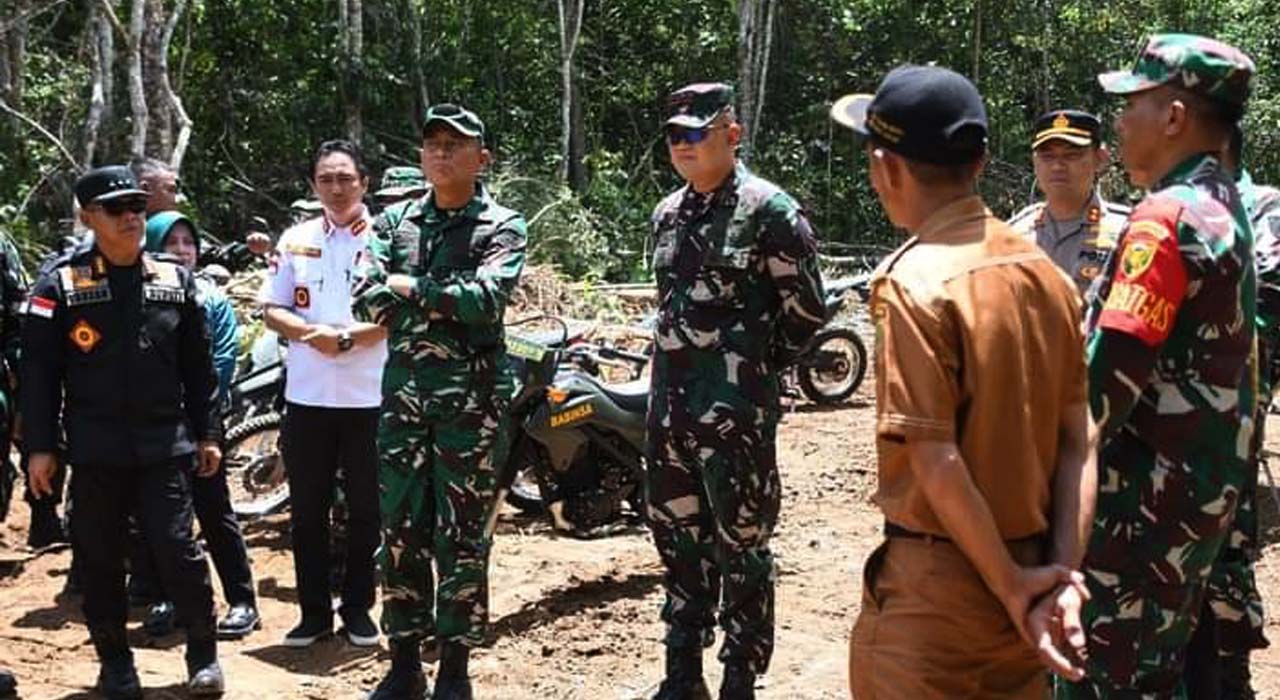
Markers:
{"x": 677, "y": 135}
{"x": 116, "y": 207}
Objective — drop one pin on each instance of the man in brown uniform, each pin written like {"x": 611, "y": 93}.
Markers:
{"x": 986, "y": 484}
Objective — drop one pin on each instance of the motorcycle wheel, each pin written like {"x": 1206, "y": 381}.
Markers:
{"x": 520, "y": 480}
{"x": 835, "y": 383}
{"x": 255, "y": 469}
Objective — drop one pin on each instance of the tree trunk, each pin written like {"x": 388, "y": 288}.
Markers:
{"x": 159, "y": 109}
{"x": 100, "y": 76}
{"x": 755, "y": 43}
{"x": 572, "y": 138}
{"x": 177, "y": 112}
{"x": 137, "y": 88}
{"x": 351, "y": 24}
{"x": 15, "y": 42}
{"x": 416, "y": 15}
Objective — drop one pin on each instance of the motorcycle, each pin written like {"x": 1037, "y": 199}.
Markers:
{"x": 251, "y": 456}
{"x": 578, "y": 451}
{"x": 832, "y": 365}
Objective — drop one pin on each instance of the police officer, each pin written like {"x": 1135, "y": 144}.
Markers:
{"x": 114, "y": 342}
{"x": 1170, "y": 336}
{"x": 173, "y": 233}
{"x": 444, "y": 269}
{"x": 738, "y": 295}
{"x": 1074, "y": 225}
{"x": 332, "y": 394}
{"x": 986, "y": 470}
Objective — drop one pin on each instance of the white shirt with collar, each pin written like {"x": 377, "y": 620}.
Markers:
{"x": 312, "y": 273}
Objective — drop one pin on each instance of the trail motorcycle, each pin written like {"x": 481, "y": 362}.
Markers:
{"x": 833, "y": 363}
{"x": 255, "y": 470}
{"x": 577, "y": 452}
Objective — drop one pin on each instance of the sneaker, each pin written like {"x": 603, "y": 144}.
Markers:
{"x": 359, "y": 627}
{"x": 239, "y": 622}
{"x": 160, "y": 617}
{"x": 308, "y": 632}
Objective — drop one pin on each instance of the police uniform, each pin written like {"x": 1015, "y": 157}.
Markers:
{"x": 977, "y": 345}
{"x": 121, "y": 354}
{"x": 1078, "y": 246}
{"x": 331, "y": 412}
{"x": 739, "y": 294}
{"x": 1171, "y": 332}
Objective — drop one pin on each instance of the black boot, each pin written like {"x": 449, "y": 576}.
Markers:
{"x": 46, "y": 527}
{"x": 204, "y": 675}
{"x": 1237, "y": 684}
{"x": 118, "y": 679}
{"x": 452, "y": 682}
{"x": 684, "y": 675}
{"x": 405, "y": 680}
{"x": 8, "y": 683}
{"x": 739, "y": 682}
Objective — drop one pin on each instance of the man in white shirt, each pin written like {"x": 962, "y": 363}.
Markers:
{"x": 333, "y": 393}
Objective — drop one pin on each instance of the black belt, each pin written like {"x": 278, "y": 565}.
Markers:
{"x": 895, "y": 530}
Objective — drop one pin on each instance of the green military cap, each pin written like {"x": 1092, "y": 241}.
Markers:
{"x": 694, "y": 106}
{"x": 463, "y": 121}
{"x": 1199, "y": 64}
{"x": 1071, "y": 125}
{"x": 401, "y": 181}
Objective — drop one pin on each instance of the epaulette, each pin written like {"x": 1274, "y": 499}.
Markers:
{"x": 1026, "y": 218}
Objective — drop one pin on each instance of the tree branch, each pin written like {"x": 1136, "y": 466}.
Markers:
{"x": 115, "y": 21}
{"x": 43, "y": 132}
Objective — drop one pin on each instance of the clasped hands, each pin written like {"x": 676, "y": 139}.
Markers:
{"x": 1045, "y": 603}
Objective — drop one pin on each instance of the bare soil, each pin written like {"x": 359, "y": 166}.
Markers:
{"x": 570, "y": 619}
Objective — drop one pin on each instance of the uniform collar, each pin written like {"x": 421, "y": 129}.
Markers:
{"x": 475, "y": 209}
{"x": 726, "y": 195}
{"x": 1187, "y": 169}
{"x": 1090, "y": 215}
{"x": 357, "y": 227}
{"x": 953, "y": 217}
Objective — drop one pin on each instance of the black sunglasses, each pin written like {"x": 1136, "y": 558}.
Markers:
{"x": 116, "y": 207}
{"x": 677, "y": 135}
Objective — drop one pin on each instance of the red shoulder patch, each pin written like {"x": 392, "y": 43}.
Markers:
{"x": 1150, "y": 280}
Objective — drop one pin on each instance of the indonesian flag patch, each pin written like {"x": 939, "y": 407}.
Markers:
{"x": 42, "y": 307}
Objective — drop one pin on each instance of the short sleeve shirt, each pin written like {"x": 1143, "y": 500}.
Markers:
{"x": 978, "y": 342}
{"x": 314, "y": 269}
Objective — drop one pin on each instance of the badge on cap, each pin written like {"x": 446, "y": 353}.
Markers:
{"x": 1061, "y": 122}
{"x": 301, "y": 298}
{"x": 85, "y": 336}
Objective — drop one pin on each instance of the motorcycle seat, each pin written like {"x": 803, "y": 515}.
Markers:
{"x": 632, "y": 397}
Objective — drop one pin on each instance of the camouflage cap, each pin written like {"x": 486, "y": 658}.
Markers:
{"x": 694, "y": 106}
{"x": 462, "y": 120}
{"x": 1199, "y": 64}
{"x": 400, "y": 181}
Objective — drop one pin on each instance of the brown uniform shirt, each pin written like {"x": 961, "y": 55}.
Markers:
{"x": 978, "y": 342}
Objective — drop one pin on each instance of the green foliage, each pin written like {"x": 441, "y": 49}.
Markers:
{"x": 263, "y": 81}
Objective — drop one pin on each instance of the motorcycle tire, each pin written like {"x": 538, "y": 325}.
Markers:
{"x": 518, "y": 479}
{"x": 255, "y": 468}
{"x": 815, "y": 382}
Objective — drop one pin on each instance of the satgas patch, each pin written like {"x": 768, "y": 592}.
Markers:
{"x": 301, "y": 298}
{"x": 1138, "y": 256}
{"x": 84, "y": 336}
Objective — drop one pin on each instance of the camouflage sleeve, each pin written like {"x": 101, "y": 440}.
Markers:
{"x": 13, "y": 296}
{"x": 372, "y": 299}
{"x": 1149, "y": 285}
{"x": 480, "y": 298}
{"x": 791, "y": 258}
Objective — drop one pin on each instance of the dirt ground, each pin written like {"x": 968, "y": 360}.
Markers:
{"x": 571, "y": 620}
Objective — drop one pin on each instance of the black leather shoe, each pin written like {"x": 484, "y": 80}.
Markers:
{"x": 308, "y": 632}
{"x": 405, "y": 680}
{"x": 739, "y": 683}
{"x": 46, "y": 527}
{"x": 159, "y": 622}
{"x": 360, "y": 629}
{"x": 8, "y": 683}
{"x": 239, "y": 622}
{"x": 453, "y": 681}
{"x": 118, "y": 680}
{"x": 206, "y": 681}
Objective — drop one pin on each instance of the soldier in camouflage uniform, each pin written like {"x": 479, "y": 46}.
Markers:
{"x": 739, "y": 294}
{"x": 13, "y": 292}
{"x": 400, "y": 184}
{"x": 1171, "y": 333}
{"x": 440, "y": 280}
{"x": 1233, "y": 590}
{"x": 1074, "y": 225}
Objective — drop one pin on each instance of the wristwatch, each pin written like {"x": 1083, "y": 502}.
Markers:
{"x": 345, "y": 342}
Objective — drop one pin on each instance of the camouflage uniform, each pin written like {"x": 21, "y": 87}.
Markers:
{"x": 1233, "y": 590}
{"x": 446, "y": 389}
{"x": 1171, "y": 334}
{"x": 739, "y": 294}
{"x": 13, "y": 292}
{"x": 1080, "y": 246}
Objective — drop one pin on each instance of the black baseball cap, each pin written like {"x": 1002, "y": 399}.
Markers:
{"x": 925, "y": 113}
{"x": 1071, "y": 125}
{"x": 107, "y": 183}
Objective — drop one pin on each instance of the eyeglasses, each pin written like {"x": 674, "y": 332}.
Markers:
{"x": 117, "y": 207}
{"x": 677, "y": 135}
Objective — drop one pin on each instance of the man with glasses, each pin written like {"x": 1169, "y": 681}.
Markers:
{"x": 739, "y": 294}
{"x": 443, "y": 272}
{"x": 332, "y": 394}
{"x": 1073, "y": 225}
{"x": 114, "y": 344}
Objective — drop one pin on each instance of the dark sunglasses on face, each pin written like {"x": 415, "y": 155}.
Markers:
{"x": 116, "y": 207}
{"x": 677, "y": 135}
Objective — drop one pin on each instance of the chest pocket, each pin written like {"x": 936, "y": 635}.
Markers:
{"x": 308, "y": 270}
